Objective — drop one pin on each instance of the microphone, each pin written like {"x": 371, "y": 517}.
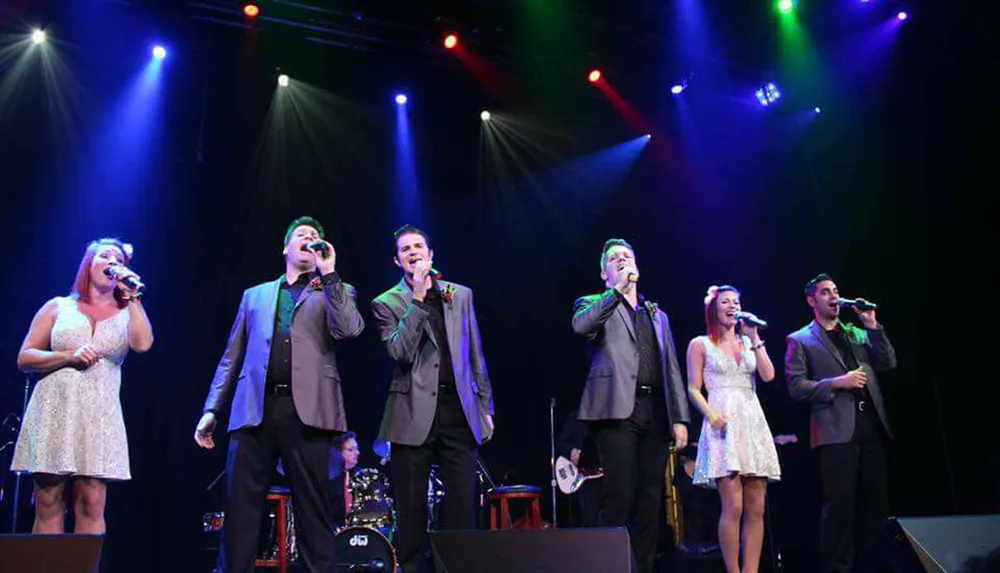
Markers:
{"x": 859, "y": 304}
{"x": 632, "y": 277}
{"x": 319, "y": 246}
{"x": 130, "y": 281}
{"x": 747, "y": 317}
{"x": 436, "y": 274}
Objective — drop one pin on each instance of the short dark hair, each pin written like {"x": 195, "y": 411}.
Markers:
{"x": 408, "y": 229}
{"x": 304, "y": 220}
{"x": 811, "y": 285}
{"x": 341, "y": 440}
{"x": 613, "y": 243}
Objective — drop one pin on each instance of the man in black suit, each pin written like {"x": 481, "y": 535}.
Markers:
{"x": 635, "y": 399}
{"x": 831, "y": 365}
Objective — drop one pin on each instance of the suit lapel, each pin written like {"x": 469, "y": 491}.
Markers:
{"x": 405, "y": 294}
{"x": 660, "y": 339}
{"x": 627, "y": 318}
{"x": 270, "y": 295}
{"x": 818, "y": 334}
{"x": 302, "y": 297}
{"x": 450, "y": 327}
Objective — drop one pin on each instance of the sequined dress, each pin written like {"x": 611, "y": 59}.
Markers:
{"x": 745, "y": 445}
{"x": 74, "y": 423}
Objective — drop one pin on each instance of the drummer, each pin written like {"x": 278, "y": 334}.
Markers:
{"x": 342, "y": 463}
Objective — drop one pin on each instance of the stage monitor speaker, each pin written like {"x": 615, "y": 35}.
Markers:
{"x": 69, "y": 553}
{"x": 532, "y": 551}
{"x": 959, "y": 544}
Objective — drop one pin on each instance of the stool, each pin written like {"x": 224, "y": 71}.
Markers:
{"x": 500, "y": 499}
{"x": 283, "y": 497}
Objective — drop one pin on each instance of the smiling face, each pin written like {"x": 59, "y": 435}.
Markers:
{"x": 296, "y": 251}
{"x": 727, "y": 305}
{"x": 824, "y": 300}
{"x": 410, "y": 248}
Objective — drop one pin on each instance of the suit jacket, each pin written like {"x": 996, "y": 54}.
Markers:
{"x": 406, "y": 331}
{"x": 812, "y": 362}
{"x": 614, "y": 366}
{"x": 322, "y": 317}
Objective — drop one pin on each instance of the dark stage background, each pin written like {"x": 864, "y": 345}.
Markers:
{"x": 879, "y": 190}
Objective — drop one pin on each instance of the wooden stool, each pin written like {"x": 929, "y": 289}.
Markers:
{"x": 500, "y": 499}
{"x": 283, "y": 497}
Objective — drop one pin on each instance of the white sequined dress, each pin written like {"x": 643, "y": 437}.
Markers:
{"x": 74, "y": 423}
{"x": 745, "y": 445}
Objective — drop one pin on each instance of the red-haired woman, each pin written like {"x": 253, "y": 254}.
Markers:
{"x": 73, "y": 432}
{"x": 736, "y": 452}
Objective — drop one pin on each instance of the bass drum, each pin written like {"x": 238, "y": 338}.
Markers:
{"x": 364, "y": 549}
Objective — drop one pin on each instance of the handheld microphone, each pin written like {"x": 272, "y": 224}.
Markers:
{"x": 632, "y": 277}
{"x": 435, "y": 273}
{"x": 130, "y": 281}
{"x": 747, "y": 317}
{"x": 859, "y": 304}
{"x": 320, "y": 246}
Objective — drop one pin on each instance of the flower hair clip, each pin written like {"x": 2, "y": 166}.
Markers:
{"x": 712, "y": 292}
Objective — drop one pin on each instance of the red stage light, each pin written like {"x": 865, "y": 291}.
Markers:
{"x": 450, "y": 41}
{"x": 594, "y": 76}
{"x": 251, "y": 10}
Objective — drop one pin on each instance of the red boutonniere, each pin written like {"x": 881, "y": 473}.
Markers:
{"x": 448, "y": 294}
{"x": 316, "y": 284}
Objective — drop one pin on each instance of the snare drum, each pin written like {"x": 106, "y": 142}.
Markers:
{"x": 364, "y": 549}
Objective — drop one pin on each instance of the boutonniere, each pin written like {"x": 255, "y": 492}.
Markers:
{"x": 653, "y": 308}
{"x": 316, "y": 284}
{"x": 448, "y": 294}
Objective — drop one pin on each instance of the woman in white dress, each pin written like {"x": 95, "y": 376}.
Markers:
{"x": 73, "y": 431}
{"x": 736, "y": 452}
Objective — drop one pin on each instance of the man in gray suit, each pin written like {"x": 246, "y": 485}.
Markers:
{"x": 279, "y": 377}
{"x": 831, "y": 365}
{"x": 440, "y": 401}
{"x": 634, "y": 394}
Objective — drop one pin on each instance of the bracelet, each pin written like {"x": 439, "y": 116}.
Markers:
{"x": 757, "y": 346}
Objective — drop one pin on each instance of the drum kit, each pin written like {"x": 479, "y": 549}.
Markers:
{"x": 364, "y": 542}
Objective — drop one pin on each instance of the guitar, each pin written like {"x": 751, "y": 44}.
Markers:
{"x": 569, "y": 478}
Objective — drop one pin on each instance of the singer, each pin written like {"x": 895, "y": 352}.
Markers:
{"x": 634, "y": 393}
{"x": 440, "y": 402}
{"x": 73, "y": 430}
{"x": 279, "y": 376}
{"x": 831, "y": 365}
{"x": 736, "y": 451}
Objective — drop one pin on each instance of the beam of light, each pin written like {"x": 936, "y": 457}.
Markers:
{"x": 406, "y": 189}
{"x": 117, "y": 175}
{"x": 283, "y": 80}
{"x": 450, "y": 41}
{"x": 800, "y": 61}
{"x": 401, "y": 99}
{"x": 159, "y": 52}
{"x": 251, "y": 10}
{"x": 630, "y": 113}
{"x": 485, "y": 115}
{"x": 594, "y": 76}
{"x": 38, "y": 36}
{"x": 484, "y": 72}
{"x": 786, "y": 6}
